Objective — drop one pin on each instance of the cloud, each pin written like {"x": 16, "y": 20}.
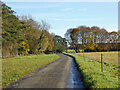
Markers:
{"x": 95, "y": 19}
{"x": 18, "y": 5}
{"x": 110, "y": 30}
{"x": 66, "y": 9}
{"x": 82, "y": 9}
{"x": 59, "y": 19}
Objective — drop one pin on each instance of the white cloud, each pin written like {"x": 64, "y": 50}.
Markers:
{"x": 95, "y": 19}
{"x": 33, "y": 5}
{"x": 59, "y": 19}
{"x": 66, "y": 9}
{"x": 82, "y": 9}
{"x": 110, "y": 30}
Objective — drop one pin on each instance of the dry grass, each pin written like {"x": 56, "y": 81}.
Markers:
{"x": 109, "y": 57}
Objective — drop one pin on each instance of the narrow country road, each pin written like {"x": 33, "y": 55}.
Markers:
{"x": 61, "y": 73}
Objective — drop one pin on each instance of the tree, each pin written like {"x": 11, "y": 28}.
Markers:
{"x": 23, "y": 34}
{"x": 45, "y": 42}
{"x": 113, "y": 38}
{"x": 44, "y": 25}
{"x": 60, "y": 44}
{"x": 23, "y": 48}
{"x": 84, "y": 34}
{"x": 72, "y": 37}
{"x": 30, "y": 32}
{"x": 10, "y": 28}
{"x": 91, "y": 39}
{"x": 77, "y": 36}
{"x": 95, "y": 33}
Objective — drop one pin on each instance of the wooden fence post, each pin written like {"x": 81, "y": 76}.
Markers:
{"x": 101, "y": 62}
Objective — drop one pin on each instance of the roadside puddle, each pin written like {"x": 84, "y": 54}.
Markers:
{"x": 74, "y": 80}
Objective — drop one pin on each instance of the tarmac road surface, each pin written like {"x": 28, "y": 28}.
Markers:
{"x": 58, "y": 74}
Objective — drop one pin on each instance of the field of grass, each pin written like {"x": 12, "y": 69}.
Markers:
{"x": 108, "y": 57}
{"x": 14, "y": 68}
{"x": 91, "y": 72}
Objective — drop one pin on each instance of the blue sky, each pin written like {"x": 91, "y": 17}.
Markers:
{"x": 64, "y": 15}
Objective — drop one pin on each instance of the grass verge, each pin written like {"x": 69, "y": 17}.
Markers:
{"x": 14, "y": 68}
{"x": 92, "y": 75}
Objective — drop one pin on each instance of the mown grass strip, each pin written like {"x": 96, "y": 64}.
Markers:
{"x": 14, "y": 68}
{"x": 92, "y": 75}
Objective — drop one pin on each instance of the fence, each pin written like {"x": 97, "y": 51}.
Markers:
{"x": 102, "y": 57}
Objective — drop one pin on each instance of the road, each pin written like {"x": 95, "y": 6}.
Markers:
{"x": 58, "y": 74}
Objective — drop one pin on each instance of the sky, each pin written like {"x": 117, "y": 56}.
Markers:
{"x": 61, "y": 0}
{"x": 64, "y": 15}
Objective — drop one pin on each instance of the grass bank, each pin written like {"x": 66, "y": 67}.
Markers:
{"x": 92, "y": 75}
{"x": 14, "y": 68}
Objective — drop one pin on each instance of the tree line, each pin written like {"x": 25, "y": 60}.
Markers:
{"x": 22, "y": 35}
{"x": 92, "y": 39}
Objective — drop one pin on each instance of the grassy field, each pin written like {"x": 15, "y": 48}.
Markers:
{"x": 14, "y": 68}
{"x": 91, "y": 72}
{"x": 108, "y": 57}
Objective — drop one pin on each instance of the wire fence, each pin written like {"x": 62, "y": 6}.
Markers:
{"x": 104, "y": 58}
